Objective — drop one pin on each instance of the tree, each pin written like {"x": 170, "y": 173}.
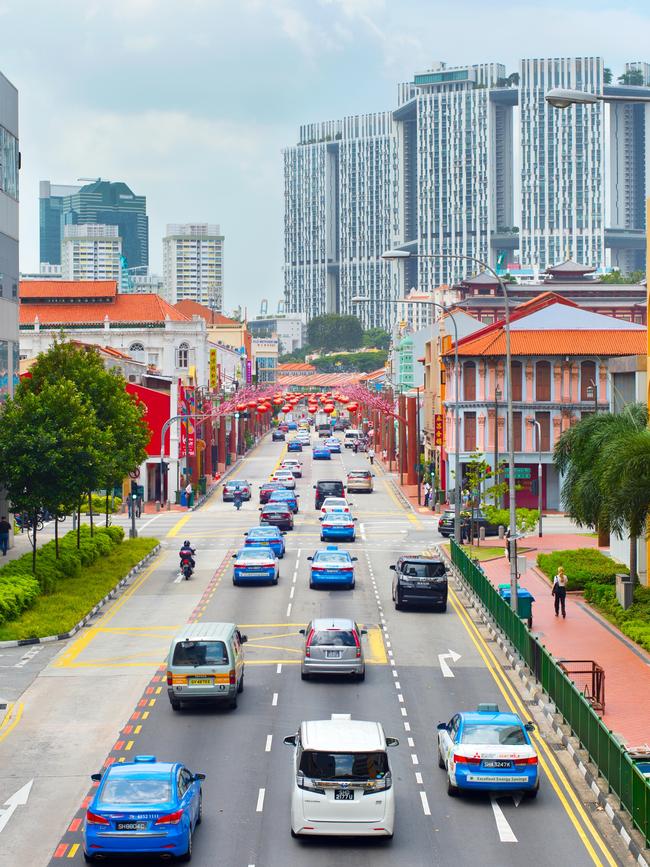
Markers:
{"x": 591, "y": 493}
{"x": 607, "y": 75}
{"x": 616, "y": 278}
{"x": 331, "y": 332}
{"x": 634, "y": 76}
{"x": 376, "y": 338}
{"x": 48, "y": 447}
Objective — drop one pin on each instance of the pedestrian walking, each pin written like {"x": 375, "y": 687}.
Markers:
{"x": 506, "y": 536}
{"x": 371, "y": 455}
{"x": 465, "y": 531}
{"x": 560, "y": 582}
{"x": 427, "y": 493}
{"x": 5, "y": 529}
{"x": 384, "y": 456}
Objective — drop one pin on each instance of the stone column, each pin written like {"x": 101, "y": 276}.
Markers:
{"x": 412, "y": 441}
{"x": 557, "y": 383}
{"x": 557, "y": 428}
{"x": 480, "y": 432}
{"x": 574, "y": 383}
{"x": 529, "y": 432}
{"x": 529, "y": 382}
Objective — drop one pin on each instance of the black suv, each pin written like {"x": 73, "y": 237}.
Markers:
{"x": 328, "y": 488}
{"x": 420, "y": 581}
{"x": 277, "y": 436}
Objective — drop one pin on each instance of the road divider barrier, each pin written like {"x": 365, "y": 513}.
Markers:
{"x": 610, "y": 757}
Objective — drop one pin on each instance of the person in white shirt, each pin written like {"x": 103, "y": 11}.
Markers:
{"x": 560, "y": 582}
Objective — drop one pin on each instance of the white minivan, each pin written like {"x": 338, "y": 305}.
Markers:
{"x": 342, "y": 783}
{"x": 350, "y": 437}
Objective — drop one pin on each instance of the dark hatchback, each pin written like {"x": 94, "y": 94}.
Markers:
{"x": 446, "y": 523}
{"x": 277, "y": 436}
{"x": 420, "y": 581}
{"x": 328, "y": 488}
{"x": 278, "y": 515}
{"x": 267, "y": 489}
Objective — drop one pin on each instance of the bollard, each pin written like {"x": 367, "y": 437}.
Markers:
{"x": 481, "y": 533}
{"x": 502, "y": 531}
{"x": 157, "y": 505}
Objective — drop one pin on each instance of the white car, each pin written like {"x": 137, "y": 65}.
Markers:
{"x": 294, "y": 465}
{"x": 286, "y": 477}
{"x": 343, "y": 785}
{"x": 335, "y": 504}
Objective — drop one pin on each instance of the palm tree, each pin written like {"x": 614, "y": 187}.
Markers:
{"x": 594, "y": 494}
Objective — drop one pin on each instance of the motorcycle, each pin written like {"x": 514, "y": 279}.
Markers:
{"x": 237, "y": 501}
{"x": 187, "y": 560}
{"x": 186, "y": 569}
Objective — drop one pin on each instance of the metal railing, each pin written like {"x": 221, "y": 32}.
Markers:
{"x": 611, "y": 758}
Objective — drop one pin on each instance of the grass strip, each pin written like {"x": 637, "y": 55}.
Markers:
{"x": 74, "y": 597}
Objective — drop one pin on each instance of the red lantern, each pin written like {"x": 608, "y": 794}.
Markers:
{"x": 278, "y": 401}
{"x": 328, "y": 408}
{"x": 286, "y": 408}
{"x": 343, "y": 399}
{"x": 252, "y": 404}
{"x": 241, "y": 407}
{"x": 352, "y": 406}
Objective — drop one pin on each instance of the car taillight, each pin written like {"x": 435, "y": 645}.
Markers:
{"x": 467, "y": 760}
{"x": 169, "y": 678}
{"x": 94, "y": 819}
{"x": 232, "y": 676}
{"x": 308, "y": 645}
{"x": 170, "y": 818}
{"x": 531, "y": 760}
{"x": 357, "y": 643}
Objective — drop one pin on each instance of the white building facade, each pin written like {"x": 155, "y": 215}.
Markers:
{"x": 193, "y": 264}
{"x": 289, "y": 328}
{"x": 91, "y": 251}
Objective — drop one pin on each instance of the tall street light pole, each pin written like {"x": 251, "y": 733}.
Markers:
{"x": 406, "y": 254}
{"x": 497, "y": 398}
{"x": 457, "y": 475}
{"x": 538, "y": 430}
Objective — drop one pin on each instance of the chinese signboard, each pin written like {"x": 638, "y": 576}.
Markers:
{"x": 213, "y": 370}
{"x": 438, "y": 429}
{"x": 249, "y": 371}
{"x": 187, "y": 442}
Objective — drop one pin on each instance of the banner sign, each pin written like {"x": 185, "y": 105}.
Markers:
{"x": 213, "y": 370}
{"x": 438, "y": 429}
{"x": 186, "y": 404}
{"x": 249, "y": 371}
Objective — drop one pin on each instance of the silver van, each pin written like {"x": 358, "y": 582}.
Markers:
{"x": 206, "y": 664}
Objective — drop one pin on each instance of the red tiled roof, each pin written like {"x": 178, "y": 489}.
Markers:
{"x": 320, "y": 380}
{"x": 125, "y": 308}
{"x": 555, "y": 342}
{"x": 290, "y": 366}
{"x": 68, "y": 288}
{"x": 193, "y": 308}
{"x": 374, "y": 374}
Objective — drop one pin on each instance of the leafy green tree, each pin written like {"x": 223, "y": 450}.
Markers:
{"x": 48, "y": 448}
{"x": 634, "y": 76}
{"x": 607, "y": 75}
{"x": 376, "y": 338}
{"x": 617, "y": 279}
{"x": 331, "y": 331}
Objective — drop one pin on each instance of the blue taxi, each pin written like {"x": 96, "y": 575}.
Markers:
{"x": 289, "y": 498}
{"x": 257, "y": 563}
{"x": 337, "y": 525}
{"x": 258, "y": 537}
{"x": 490, "y": 751}
{"x": 321, "y": 453}
{"x": 334, "y": 445}
{"x": 332, "y": 566}
{"x": 294, "y": 446}
{"x": 143, "y": 807}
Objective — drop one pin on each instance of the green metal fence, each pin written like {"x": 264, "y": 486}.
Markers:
{"x": 612, "y": 760}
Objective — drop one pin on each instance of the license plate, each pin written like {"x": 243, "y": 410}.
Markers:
{"x": 496, "y": 763}
{"x": 343, "y": 795}
{"x": 200, "y": 681}
{"x": 252, "y": 574}
{"x": 131, "y": 826}
{"x": 333, "y": 654}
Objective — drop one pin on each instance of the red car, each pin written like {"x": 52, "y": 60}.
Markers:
{"x": 267, "y": 489}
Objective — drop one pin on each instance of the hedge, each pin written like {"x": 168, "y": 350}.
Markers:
{"x": 19, "y": 588}
{"x": 99, "y": 504}
{"x": 583, "y": 566}
{"x": 635, "y": 622}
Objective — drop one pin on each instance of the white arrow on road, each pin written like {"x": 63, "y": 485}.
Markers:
{"x": 18, "y": 799}
{"x": 442, "y": 657}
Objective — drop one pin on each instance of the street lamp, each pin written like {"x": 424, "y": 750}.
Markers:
{"x": 561, "y": 97}
{"x": 592, "y": 394}
{"x": 497, "y": 398}
{"x": 538, "y": 428}
{"x": 457, "y": 481}
{"x": 405, "y": 254}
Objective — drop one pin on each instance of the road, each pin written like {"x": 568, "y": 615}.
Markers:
{"x": 103, "y": 694}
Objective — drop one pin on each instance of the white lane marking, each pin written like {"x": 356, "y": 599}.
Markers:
{"x": 289, "y": 610}
{"x": 293, "y": 590}
{"x": 404, "y": 712}
{"x": 425, "y": 804}
{"x": 410, "y": 742}
{"x": 150, "y": 521}
{"x": 418, "y": 778}
{"x": 442, "y": 659}
{"x": 274, "y": 700}
{"x": 178, "y": 578}
{"x": 31, "y": 653}
{"x": 269, "y": 741}
{"x": 295, "y": 578}
{"x": 395, "y": 673}
{"x": 398, "y": 685}
{"x": 260, "y": 801}
{"x": 279, "y": 668}
{"x": 506, "y": 834}
{"x": 407, "y": 727}
{"x": 400, "y": 698}
{"x": 415, "y": 759}
{"x": 18, "y": 799}
{"x": 362, "y": 531}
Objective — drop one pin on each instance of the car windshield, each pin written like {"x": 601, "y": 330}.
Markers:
{"x": 334, "y": 501}
{"x": 424, "y": 570}
{"x": 332, "y": 638}
{"x": 275, "y": 510}
{"x": 281, "y": 495}
{"x": 332, "y": 557}
{"x": 254, "y": 554}
{"x": 200, "y": 653}
{"x": 497, "y": 735}
{"x": 152, "y": 791}
{"x": 335, "y": 518}
{"x": 362, "y": 474}
{"x": 263, "y": 533}
{"x": 237, "y": 483}
{"x": 343, "y": 766}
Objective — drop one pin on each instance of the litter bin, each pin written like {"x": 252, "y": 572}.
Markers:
{"x": 624, "y": 590}
{"x": 203, "y": 485}
{"x": 183, "y": 498}
{"x": 525, "y": 601}
{"x": 191, "y": 500}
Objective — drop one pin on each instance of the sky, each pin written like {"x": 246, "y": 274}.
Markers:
{"x": 190, "y": 102}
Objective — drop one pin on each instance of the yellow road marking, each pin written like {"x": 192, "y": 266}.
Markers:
{"x": 282, "y": 635}
{"x": 11, "y": 720}
{"x": 73, "y": 850}
{"x": 137, "y": 730}
{"x": 129, "y": 746}
{"x": 7, "y": 717}
{"x": 179, "y": 525}
{"x": 158, "y": 690}
{"x": 516, "y": 705}
{"x": 145, "y": 714}
{"x": 411, "y": 517}
{"x": 152, "y": 702}
{"x": 275, "y": 647}
{"x": 377, "y": 650}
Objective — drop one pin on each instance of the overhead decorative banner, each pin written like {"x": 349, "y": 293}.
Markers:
{"x": 438, "y": 429}
{"x": 187, "y": 443}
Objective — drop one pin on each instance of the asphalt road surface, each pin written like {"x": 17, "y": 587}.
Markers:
{"x": 103, "y": 695}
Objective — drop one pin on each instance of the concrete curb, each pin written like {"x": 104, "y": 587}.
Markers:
{"x": 607, "y": 802}
{"x": 23, "y": 642}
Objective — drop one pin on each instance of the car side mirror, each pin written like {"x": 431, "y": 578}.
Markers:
{"x": 199, "y": 776}
{"x": 234, "y": 556}
{"x": 301, "y": 631}
{"x": 95, "y": 777}
{"x": 392, "y": 566}
{"x": 321, "y": 518}
{"x": 245, "y": 534}
{"x": 530, "y": 726}
{"x": 314, "y": 487}
{"x": 260, "y": 509}
{"x": 283, "y": 532}
{"x": 364, "y": 631}
{"x": 355, "y": 519}
{"x": 290, "y": 740}
{"x": 244, "y": 639}
{"x": 442, "y": 727}
{"x": 354, "y": 559}
{"x": 392, "y": 742}
{"x": 310, "y": 558}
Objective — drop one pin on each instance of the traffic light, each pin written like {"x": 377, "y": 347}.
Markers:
{"x": 134, "y": 489}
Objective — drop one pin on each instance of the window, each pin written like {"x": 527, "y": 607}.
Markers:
{"x": 587, "y": 379}
{"x": 469, "y": 421}
{"x": 544, "y": 419}
{"x": 516, "y": 380}
{"x": 153, "y": 359}
{"x": 183, "y": 355}
{"x": 469, "y": 381}
{"x": 516, "y": 431}
{"x": 543, "y": 380}
{"x": 136, "y": 351}
{"x": 343, "y": 766}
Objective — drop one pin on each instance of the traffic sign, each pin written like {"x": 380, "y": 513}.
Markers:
{"x": 134, "y": 474}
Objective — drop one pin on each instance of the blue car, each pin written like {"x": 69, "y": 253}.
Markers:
{"x": 332, "y": 567}
{"x": 258, "y": 537}
{"x": 290, "y": 498}
{"x": 339, "y": 526}
{"x": 334, "y": 445}
{"x": 294, "y": 446}
{"x": 489, "y": 751}
{"x": 321, "y": 453}
{"x": 256, "y": 563}
{"x": 292, "y": 425}
{"x": 143, "y": 807}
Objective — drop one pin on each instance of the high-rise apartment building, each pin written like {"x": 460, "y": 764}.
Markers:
{"x": 91, "y": 251}
{"x": 103, "y": 202}
{"x": 473, "y": 166}
{"x": 341, "y": 214}
{"x": 193, "y": 264}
